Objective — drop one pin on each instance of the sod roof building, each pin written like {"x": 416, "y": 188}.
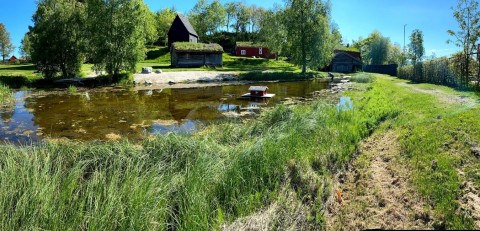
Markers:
{"x": 188, "y": 54}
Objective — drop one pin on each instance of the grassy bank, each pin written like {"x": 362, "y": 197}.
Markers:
{"x": 198, "y": 182}
{"x": 438, "y": 130}
{"x": 6, "y": 95}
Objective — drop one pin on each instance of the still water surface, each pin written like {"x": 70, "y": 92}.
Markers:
{"x": 108, "y": 113}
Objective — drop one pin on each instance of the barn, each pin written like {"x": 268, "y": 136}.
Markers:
{"x": 189, "y": 54}
{"x": 12, "y": 59}
{"x": 346, "y": 61}
{"x": 181, "y": 31}
{"x": 250, "y": 49}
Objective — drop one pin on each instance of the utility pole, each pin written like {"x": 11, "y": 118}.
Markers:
{"x": 404, "y": 59}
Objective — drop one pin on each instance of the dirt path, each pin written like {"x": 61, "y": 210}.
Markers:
{"x": 375, "y": 192}
{"x": 442, "y": 96}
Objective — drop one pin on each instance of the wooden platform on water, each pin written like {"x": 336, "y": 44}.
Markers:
{"x": 248, "y": 96}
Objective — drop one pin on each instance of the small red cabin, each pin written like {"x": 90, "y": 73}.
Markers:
{"x": 258, "y": 90}
{"x": 249, "y": 49}
{"x": 12, "y": 59}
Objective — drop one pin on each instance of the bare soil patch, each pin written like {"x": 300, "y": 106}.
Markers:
{"x": 376, "y": 192}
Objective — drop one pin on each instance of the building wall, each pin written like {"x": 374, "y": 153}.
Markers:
{"x": 186, "y": 59}
{"x": 254, "y": 51}
{"x": 178, "y": 33}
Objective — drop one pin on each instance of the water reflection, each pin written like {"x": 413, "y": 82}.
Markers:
{"x": 94, "y": 114}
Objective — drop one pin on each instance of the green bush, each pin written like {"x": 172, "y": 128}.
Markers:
{"x": 362, "y": 78}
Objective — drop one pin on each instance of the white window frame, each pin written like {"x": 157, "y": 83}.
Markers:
{"x": 260, "y": 50}
{"x": 243, "y": 52}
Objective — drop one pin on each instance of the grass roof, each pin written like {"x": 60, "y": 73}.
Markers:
{"x": 344, "y": 48}
{"x": 249, "y": 44}
{"x": 197, "y": 47}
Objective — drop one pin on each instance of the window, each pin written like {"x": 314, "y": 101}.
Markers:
{"x": 243, "y": 52}
{"x": 260, "y": 51}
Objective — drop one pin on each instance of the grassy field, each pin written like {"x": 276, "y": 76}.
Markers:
{"x": 159, "y": 58}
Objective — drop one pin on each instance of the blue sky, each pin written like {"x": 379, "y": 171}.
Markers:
{"x": 355, "y": 18}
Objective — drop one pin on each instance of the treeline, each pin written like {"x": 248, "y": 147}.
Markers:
{"x": 110, "y": 34}
{"x": 113, "y": 35}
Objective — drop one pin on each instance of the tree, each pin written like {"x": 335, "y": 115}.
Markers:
{"x": 117, "y": 40}
{"x": 149, "y": 24}
{"x": 364, "y": 45}
{"x": 309, "y": 38}
{"x": 164, "y": 19}
{"x": 415, "y": 47}
{"x": 26, "y": 47}
{"x": 379, "y": 50}
{"x": 395, "y": 55}
{"x": 468, "y": 17}
{"x": 273, "y": 31}
{"x": 215, "y": 16}
{"x": 198, "y": 17}
{"x": 229, "y": 11}
{"x": 207, "y": 18}
{"x": 57, "y": 38}
{"x": 6, "y": 46}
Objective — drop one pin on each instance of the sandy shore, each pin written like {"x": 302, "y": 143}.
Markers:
{"x": 185, "y": 77}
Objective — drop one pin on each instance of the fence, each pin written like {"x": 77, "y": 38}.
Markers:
{"x": 390, "y": 69}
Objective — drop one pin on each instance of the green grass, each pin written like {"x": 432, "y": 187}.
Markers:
{"x": 362, "y": 78}
{"x": 159, "y": 58}
{"x": 189, "y": 46}
{"x": 188, "y": 182}
{"x": 432, "y": 130}
{"x": 6, "y": 95}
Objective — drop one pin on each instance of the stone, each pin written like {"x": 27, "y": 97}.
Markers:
{"x": 158, "y": 71}
{"x": 147, "y": 70}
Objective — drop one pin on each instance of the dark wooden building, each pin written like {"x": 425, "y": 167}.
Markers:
{"x": 346, "y": 62}
{"x": 181, "y": 31}
{"x": 188, "y": 54}
{"x": 249, "y": 49}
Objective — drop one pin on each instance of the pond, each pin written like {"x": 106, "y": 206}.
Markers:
{"x": 111, "y": 113}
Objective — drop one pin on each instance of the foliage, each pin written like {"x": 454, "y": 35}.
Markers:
{"x": 395, "y": 54}
{"x": 207, "y": 18}
{"x": 6, "y": 46}
{"x": 57, "y": 38}
{"x": 26, "y": 47}
{"x": 416, "y": 48}
{"x": 164, "y": 21}
{"x": 273, "y": 31}
{"x": 437, "y": 71}
{"x": 467, "y": 15}
{"x": 309, "y": 39}
{"x": 116, "y": 40}
{"x": 379, "y": 50}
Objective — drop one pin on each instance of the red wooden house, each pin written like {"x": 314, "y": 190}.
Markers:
{"x": 258, "y": 90}
{"x": 249, "y": 49}
{"x": 12, "y": 59}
